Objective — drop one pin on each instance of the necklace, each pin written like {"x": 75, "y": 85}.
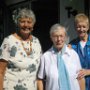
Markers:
{"x": 27, "y": 50}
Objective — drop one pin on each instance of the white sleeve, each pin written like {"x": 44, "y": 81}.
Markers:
{"x": 4, "y": 50}
{"x": 41, "y": 72}
{"x": 77, "y": 62}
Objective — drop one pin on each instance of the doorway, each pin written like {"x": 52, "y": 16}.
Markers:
{"x": 47, "y": 14}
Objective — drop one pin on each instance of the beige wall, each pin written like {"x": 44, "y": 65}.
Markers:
{"x": 65, "y": 20}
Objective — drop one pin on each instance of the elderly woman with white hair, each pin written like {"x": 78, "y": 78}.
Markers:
{"x": 60, "y": 64}
{"x": 20, "y": 55}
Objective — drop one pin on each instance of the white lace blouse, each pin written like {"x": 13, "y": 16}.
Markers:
{"x": 22, "y": 68}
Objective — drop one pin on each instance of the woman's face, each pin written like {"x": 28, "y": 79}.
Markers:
{"x": 82, "y": 29}
{"x": 58, "y": 38}
{"x": 25, "y": 25}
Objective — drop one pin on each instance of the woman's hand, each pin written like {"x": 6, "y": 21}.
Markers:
{"x": 69, "y": 45}
{"x": 83, "y": 72}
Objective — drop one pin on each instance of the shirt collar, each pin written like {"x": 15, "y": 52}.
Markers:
{"x": 67, "y": 51}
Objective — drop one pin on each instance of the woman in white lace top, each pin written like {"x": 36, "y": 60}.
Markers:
{"x": 20, "y": 55}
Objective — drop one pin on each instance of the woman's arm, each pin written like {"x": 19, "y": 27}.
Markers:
{"x": 83, "y": 73}
{"x": 82, "y": 83}
{"x": 40, "y": 85}
{"x": 3, "y": 65}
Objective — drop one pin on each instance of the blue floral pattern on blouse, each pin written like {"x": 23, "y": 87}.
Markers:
{"x": 22, "y": 68}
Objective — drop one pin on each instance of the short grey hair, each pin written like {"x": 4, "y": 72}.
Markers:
{"x": 23, "y": 13}
{"x": 57, "y": 27}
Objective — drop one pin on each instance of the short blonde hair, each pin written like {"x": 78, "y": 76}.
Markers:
{"x": 81, "y": 17}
